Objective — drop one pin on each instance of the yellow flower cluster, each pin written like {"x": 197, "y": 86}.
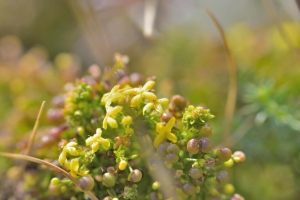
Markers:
{"x": 72, "y": 165}
{"x": 137, "y": 95}
{"x": 96, "y": 141}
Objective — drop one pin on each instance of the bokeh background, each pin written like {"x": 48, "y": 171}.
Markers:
{"x": 46, "y": 44}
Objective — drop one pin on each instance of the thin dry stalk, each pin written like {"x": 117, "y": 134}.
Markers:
{"x": 232, "y": 89}
{"x": 33, "y": 133}
{"x": 48, "y": 164}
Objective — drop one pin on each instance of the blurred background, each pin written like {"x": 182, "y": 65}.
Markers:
{"x": 46, "y": 44}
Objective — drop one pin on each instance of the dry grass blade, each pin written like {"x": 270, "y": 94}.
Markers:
{"x": 149, "y": 17}
{"x": 232, "y": 90}
{"x": 33, "y": 133}
{"x": 48, "y": 164}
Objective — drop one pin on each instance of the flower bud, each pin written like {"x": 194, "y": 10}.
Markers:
{"x": 127, "y": 120}
{"x": 86, "y": 183}
{"x": 123, "y": 165}
{"x": 172, "y": 158}
{"x": 196, "y": 173}
{"x": 189, "y": 189}
{"x": 193, "y": 146}
{"x": 108, "y": 180}
{"x": 55, "y": 181}
{"x": 239, "y": 156}
{"x": 135, "y": 175}
{"x": 222, "y": 177}
{"x": 228, "y": 188}
{"x": 205, "y": 131}
{"x": 237, "y": 197}
{"x": 205, "y": 145}
{"x": 173, "y": 148}
{"x": 223, "y": 154}
{"x": 162, "y": 149}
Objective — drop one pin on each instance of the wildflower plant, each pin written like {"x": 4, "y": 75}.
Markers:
{"x": 100, "y": 151}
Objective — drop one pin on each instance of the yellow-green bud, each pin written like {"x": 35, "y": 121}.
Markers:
{"x": 155, "y": 185}
{"x": 55, "y": 181}
{"x": 127, "y": 120}
{"x": 228, "y": 189}
{"x": 123, "y": 165}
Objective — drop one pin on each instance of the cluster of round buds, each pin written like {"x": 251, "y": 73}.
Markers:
{"x": 195, "y": 146}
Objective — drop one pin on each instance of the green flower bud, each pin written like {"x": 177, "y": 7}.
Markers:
{"x": 108, "y": 180}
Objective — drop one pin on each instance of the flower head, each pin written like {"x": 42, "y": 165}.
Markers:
{"x": 97, "y": 141}
{"x": 164, "y": 132}
{"x": 111, "y": 112}
{"x": 141, "y": 93}
{"x": 115, "y": 95}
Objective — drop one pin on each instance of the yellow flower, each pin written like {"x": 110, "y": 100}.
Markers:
{"x": 110, "y": 114}
{"x": 114, "y": 95}
{"x": 156, "y": 104}
{"x": 73, "y": 165}
{"x": 96, "y": 141}
{"x": 164, "y": 132}
{"x": 141, "y": 93}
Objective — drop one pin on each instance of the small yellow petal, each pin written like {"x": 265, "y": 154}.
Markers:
{"x": 132, "y": 91}
{"x": 170, "y": 123}
{"x": 95, "y": 146}
{"x": 112, "y": 122}
{"x": 105, "y": 122}
{"x": 74, "y": 165}
{"x": 62, "y": 158}
{"x": 104, "y": 142}
{"x": 98, "y": 133}
{"x": 160, "y": 128}
{"x": 171, "y": 137}
{"x": 72, "y": 150}
{"x": 149, "y": 85}
{"x": 150, "y": 96}
{"x": 158, "y": 140}
{"x": 117, "y": 97}
{"x": 159, "y": 108}
{"x": 163, "y": 101}
{"x": 71, "y": 144}
{"x": 148, "y": 106}
{"x": 115, "y": 88}
{"x": 89, "y": 141}
{"x": 136, "y": 100}
{"x": 115, "y": 110}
